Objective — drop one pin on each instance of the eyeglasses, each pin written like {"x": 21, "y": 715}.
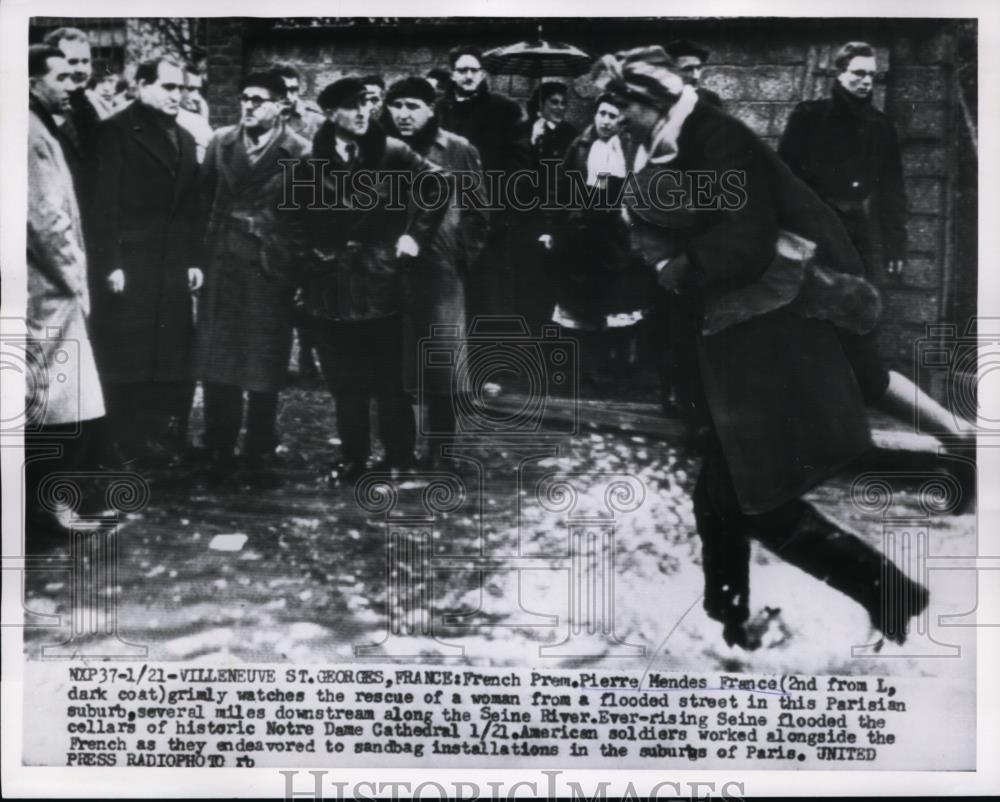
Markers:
{"x": 468, "y": 69}
{"x": 254, "y": 100}
{"x": 862, "y": 73}
{"x": 290, "y": 88}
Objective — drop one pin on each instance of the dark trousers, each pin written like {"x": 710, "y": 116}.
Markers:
{"x": 65, "y": 448}
{"x": 797, "y": 533}
{"x": 149, "y": 414}
{"x": 304, "y": 331}
{"x": 224, "y": 418}
{"x": 361, "y": 361}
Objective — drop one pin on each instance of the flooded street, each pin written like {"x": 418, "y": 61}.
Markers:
{"x": 553, "y": 551}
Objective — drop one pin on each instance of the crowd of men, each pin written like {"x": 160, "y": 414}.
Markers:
{"x": 159, "y": 246}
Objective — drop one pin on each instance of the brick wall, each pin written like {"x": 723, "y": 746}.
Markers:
{"x": 761, "y": 69}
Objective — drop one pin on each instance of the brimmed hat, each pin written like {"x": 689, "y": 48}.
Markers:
{"x": 342, "y": 93}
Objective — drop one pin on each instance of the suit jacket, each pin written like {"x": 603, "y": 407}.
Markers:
{"x": 149, "y": 227}
{"x": 60, "y": 390}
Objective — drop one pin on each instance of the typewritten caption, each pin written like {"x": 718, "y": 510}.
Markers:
{"x": 172, "y": 715}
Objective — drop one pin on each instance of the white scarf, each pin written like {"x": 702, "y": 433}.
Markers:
{"x": 605, "y": 159}
{"x": 663, "y": 140}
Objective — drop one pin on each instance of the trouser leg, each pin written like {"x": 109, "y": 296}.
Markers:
{"x": 848, "y": 564}
{"x": 223, "y": 417}
{"x": 262, "y": 415}
{"x": 725, "y": 548}
{"x": 353, "y": 425}
{"x": 397, "y": 427}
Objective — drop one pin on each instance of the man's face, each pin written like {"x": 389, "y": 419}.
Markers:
{"x": 858, "y": 77}
{"x": 375, "y": 95}
{"x": 607, "y": 121}
{"x": 259, "y": 109}
{"x": 410, "y": 115}
{"x": 292, "y": 90}
{"x": 78, "y": 57}
{"x": 53, "y": 88}
{"x": 467, "y": 74}
{"x": 690, "y": 67}
{"x": 352, "y": 120}
{"x": 192, "y": 91}
{"x": 164, "y": 94}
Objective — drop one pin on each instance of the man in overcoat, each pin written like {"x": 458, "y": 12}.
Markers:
{"x": 146, "y": 243}
{"x": 436, "y": 283}
{"x": 363, "y": 235}
{"x": 245, "y": 315}
{"x": 784, "y": 403}
{"x": 302, "y": 117}
{"x": 494, "y": 125}
{"x": 64, "y": 401}
{"x": 78, "y": 123}
{"x": 847, "y": 150}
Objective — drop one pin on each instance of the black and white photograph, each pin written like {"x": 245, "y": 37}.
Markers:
{"x": 467, "y": 392}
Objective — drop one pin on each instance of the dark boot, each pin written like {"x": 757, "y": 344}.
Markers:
{"x": 845, "y": 562}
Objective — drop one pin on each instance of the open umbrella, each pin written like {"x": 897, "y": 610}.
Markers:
{"x": 537, "y": 59}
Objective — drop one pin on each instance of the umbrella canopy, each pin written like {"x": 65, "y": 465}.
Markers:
{"x": 536, "y": 59}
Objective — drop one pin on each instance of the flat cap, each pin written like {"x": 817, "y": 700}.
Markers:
{"x": 341, "y": 93}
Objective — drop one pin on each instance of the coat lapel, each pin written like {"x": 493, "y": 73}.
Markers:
{"x": 153, "y": 140}
{"x": 187, "y": 165}
{"x": 232, "y": 161}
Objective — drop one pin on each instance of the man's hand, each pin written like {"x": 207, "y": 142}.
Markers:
{"x": 894, "y": 268}
{"x": 545, "y": 240}
{"x": 407, "y": 246}
{"x": 116, "y": 281}
{"x": 195, "y": 278}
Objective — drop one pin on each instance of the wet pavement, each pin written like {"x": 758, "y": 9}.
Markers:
{"x": 547, "y": 549}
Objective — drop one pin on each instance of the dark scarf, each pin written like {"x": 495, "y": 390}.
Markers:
{"x": 476, "y": 98}
{"x": 421, "y": 141}
{"x": 850, "y": 105}
{"x": 371, "y": 146}
{"x": 35, "y": 105}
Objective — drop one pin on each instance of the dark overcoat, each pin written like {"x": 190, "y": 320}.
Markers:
{"x": 148, "y": 225}
{"x": 245, "y": 314}
{"x": 848, "y": 152}
{"x": 598, "y": 274}
{"x": 782, "y": 396}
{"x": 435, "y": 284}
{"x": 492, "y": 123}
{"x": 355, "y": 273}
